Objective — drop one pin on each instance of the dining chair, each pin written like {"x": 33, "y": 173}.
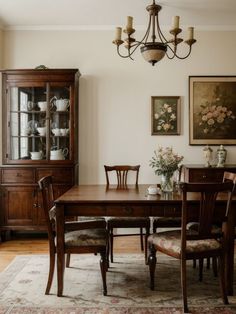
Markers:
{"x": 121, "y": 173}
{"x": 80, "y": 237}
{"x": 227, "y": 177}
{"x": 187, "y": 244}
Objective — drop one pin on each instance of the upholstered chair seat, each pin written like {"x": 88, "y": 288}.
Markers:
{"x": 171, "y": 241}
{"x": 90, "y": 237}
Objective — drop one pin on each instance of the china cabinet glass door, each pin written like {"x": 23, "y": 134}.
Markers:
{"x": 39, "y": 122}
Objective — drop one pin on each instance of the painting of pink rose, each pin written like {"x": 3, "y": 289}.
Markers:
{"x": 212, "y": 110}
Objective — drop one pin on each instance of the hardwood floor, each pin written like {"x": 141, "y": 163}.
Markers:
{"x": 26, "y": 244}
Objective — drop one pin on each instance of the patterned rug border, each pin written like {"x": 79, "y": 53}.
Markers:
{"x": 112, "y": 310}
{"x": 20, "y": 261}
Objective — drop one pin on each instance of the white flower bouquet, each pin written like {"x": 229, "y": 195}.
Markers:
{"x": 165, "y": 161}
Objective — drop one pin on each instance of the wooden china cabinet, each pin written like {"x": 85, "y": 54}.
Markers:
{"x": 39, "y": 138}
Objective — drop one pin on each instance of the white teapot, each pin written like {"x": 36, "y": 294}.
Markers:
{"x": 61, "y": 104}
{"x": 59, "y": 154}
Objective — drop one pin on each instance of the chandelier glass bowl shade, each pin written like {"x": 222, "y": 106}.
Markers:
{"x": 154, "y": 45}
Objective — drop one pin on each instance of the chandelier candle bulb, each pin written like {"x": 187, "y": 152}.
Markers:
{"x": 190, "y": 30}
{"x": 118, "y": 33}
{"x": 176, "y": 22}
{"x": 129, "y": 22}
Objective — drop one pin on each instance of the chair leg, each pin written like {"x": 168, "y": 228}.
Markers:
{"x": 111, "y": 243}
{"x": 51, "y": 272}
{"x": 152, "y": 266}
{"x": 200, "y": 268}
{"x": 194, "y": 263}
{"x": 183, "y": 285}
{"x": 214, "y": 266}
{"x": 108, "y": 251}
{"x": 222, "y": 279}
{"x": 68, "y": 260}
{"x": 208, "y": 262}
{"x": 141, "y": 238}
{"x": 103, "y": 267}
{"x": 146, "y": 245}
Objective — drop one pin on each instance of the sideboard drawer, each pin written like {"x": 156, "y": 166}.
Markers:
{"x": 197, "y": 173}
{"x": 17, "y": 175}
{"x": 59, "y": 175}
{"x": 204, "y": 176}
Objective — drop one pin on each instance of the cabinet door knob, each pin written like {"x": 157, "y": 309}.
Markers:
{"x": 35, "y": 205}
{"x": 204, "y": 176}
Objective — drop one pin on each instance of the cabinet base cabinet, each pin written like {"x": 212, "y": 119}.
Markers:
{"x": 21, "y": 202}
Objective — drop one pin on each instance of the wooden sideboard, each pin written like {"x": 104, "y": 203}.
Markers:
{"x": 199, "y": 173}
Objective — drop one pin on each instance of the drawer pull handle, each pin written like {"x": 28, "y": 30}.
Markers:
{"x": 18, "y": 175}
{"x": 128, "y": 210}
{"x": 204, "y": 176}
{"x": 35, "y": 205}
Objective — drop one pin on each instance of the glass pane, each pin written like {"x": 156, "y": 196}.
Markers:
{"x": 60, "y": 123}
{"x": 27, "y": 123}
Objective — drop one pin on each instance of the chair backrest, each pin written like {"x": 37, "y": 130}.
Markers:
{"x": 229, "y": 176}
{"x": 208, "y": 193}
{"x": 122, "y": 174}
{"x": 46, "y": 187}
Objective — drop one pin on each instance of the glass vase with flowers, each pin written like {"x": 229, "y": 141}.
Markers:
{"x": 165, "y": 162}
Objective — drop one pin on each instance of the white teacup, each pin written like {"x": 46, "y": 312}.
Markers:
{"x": 42, "y": 105}
{"x": 36, "y": 155}
{"x": 62, "y": 104}
{"x": 153, "y": 189}
{"x": 42, "y": 130}
{"x": 64, "y": 132}
{"x": 56, "y": 131}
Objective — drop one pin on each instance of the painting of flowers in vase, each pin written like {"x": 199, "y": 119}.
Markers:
{"x": 165, "y": 115}
{"x": 212, "y": 110}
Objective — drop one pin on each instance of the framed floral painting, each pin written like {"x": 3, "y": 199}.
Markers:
{"x": 212, "y": 110}
{"x": 165, "y": 115}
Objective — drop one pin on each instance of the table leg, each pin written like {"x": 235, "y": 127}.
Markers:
{"x": 229, "y": 258}
{"x": 60, "y": 221}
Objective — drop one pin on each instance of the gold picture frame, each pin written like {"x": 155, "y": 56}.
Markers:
{"x": 212, "y": 110}
{"x": 165, "y": 115}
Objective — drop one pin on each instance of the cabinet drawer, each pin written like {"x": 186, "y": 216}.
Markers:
{"x": 59, "y": 175}
{"x": 17, "y": 176}
{"x": 205, "y": 176}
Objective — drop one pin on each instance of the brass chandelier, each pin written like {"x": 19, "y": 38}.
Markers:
{"x": 154, "y": 45}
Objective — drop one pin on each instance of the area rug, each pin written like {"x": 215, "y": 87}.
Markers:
{"x": 23, "y": 283}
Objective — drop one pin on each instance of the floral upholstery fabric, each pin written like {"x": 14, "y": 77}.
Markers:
{"x": 194, "y": 226}
{"x": 86, "y": 237}
{"x": 171, "y": 241}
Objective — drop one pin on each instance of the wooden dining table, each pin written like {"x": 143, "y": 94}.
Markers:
{"x": 100, "y": 200}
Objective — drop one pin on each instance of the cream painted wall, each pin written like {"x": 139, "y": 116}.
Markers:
{"x": 115, "y": 93}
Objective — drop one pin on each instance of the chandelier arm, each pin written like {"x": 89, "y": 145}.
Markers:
{"x": 175, "y": 54}
{"x": 182, "y": 58}
{"x": 161, "y": 35}
{"x": 145, "y": 37}
{"x": 129, "y": 53}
